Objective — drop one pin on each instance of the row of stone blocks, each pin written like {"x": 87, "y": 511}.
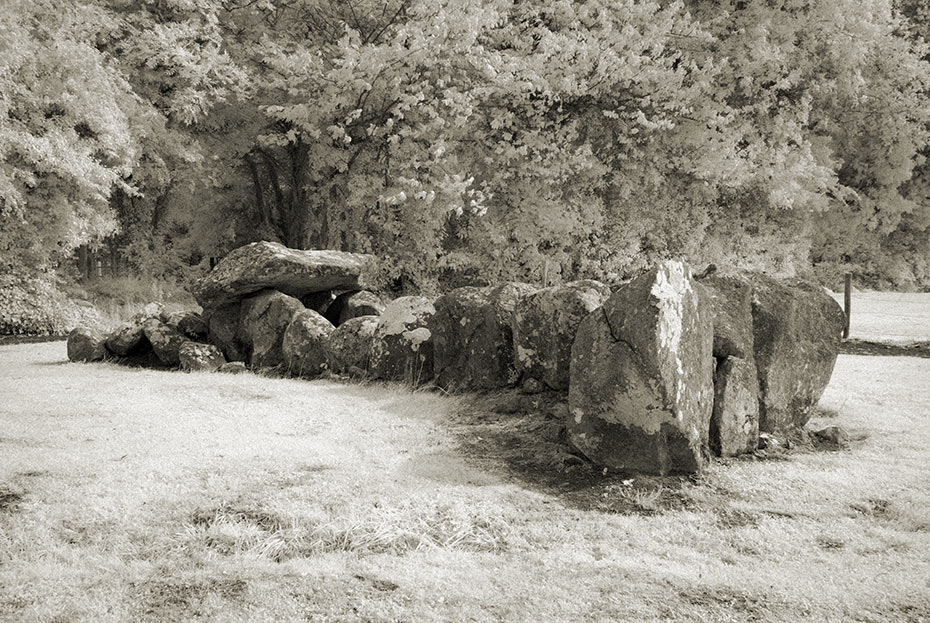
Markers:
{"x": 660, "y": 374}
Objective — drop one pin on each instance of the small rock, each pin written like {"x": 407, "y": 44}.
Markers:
{"x": 86, "y": 345}
{"x": 833, "y": 435}
{"x": 233, "y": 367}
{"x": 532, "y": 386}
{"x": 196, "y": 357}
{"x": 768, "y": 442}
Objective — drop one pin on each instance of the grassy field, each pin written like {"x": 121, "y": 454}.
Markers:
{"x": 134, "y": 495}
{"x": 889, "y": 316}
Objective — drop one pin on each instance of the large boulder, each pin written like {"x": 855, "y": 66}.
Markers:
{"x": 127, "y": 341}
{"x": 190, "y": 323}
{"x": 350, "y": 345}
{"x": 734, "y": 424}
{"x": 263, "y": 265}
{"x": 402, "y": 347}
{"x": 197, "y": 357}
{"x": 797, "y": 328}
{"x": 472, "y": 333}
{"x": 305, "y": 342}
{"x": 262, "y": 322}
{"x": 353, "y": 304}
{"x": 544, "y": 329}
{"x": 86, "y": 345}
{"x": 224, "y": 331}
{"x": 165, "y": 340}
{"x": 641, "y": 389}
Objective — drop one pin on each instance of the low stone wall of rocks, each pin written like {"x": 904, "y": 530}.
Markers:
{"x": 660, "y": 374}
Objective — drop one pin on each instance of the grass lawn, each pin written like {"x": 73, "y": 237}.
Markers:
{"x": 135, "y": 495}
{"x": 889, "y": 316}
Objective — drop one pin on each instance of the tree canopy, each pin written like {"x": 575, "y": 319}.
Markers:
{"x": 470, "y": 140}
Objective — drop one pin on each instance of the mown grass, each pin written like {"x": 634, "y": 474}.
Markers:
{"x": 136, "y": 495}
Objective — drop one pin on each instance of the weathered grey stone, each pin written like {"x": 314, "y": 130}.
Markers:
{"x": 350, "y": 345}
{"x": 472, "y": 332}
{"x": 224, "y": 331}
{"x": 353, "y": 304}
{"x": 197, "y": 357}
{"x": 734, "y": 425}
{"x": 797, "y": 328}
{"x": 86, "y": 344}
{"x": 641, "y": 390}
{"x": 127, "y": 341}
{"x": 731, "y": 301}
{"x": 189, "y": 323}
{"x": 263, "y": 265}
{"x": 402, "y": 347}
{"x": 262, "y": 322}
{"x": 165, "y": 340}
{"x": 305, "y": 343}
{"x": 233, "y": 367}
{"x": 544, "y": 329}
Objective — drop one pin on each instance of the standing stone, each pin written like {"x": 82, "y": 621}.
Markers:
{"x": 797, "y": 328}
{"x": 731, "y": 304}
{"x": 544, "y": 329}
{"x": 263, "y": 319}
{"x": 197, "y": 357}
{"x": 224, "y": 331}
{"x": 305, "y": 342}
{"x": 86, "y": 345}
{"x": 263, "y": 265}
{"x": 165, "y": 340}
{"x": 641, "y": 390}
{"x": 353, "y": 304}
{"x": 127, "y": 341}
{"x": 402, "y": 348}
{"x": 350, "y": 345}
{"x": 473, "y": 336}
{"x": 734, "y": 425}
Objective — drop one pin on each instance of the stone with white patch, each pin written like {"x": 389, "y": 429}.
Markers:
{"x": 402, "y": 347}
{"x": 641, "y": 388}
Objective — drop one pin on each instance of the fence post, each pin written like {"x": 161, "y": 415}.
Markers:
{"x": 847, "y": 302}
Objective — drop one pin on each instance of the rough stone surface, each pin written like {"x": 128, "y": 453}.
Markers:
{"x": 731, "y": 302}
{"x": 262, "y": 265}
{"x": 233, "y": 367}
{"x": 165, "y": 340}
{"x": 305, "y": 343}
{"x": 352, "y": 305}
{"x": 223, "y": 331}
{"x": 734, "y": 425}
{"x": 797, "y": 328}
{"x": 263, "y": 320}
{"x": 544, "y": 329}
{"x": 402, "y": 347}
{"x": 197, "y": 357}
{"x": 190, "y": 323}
{"x": 472, "y": 333}
{"x": 86, "y": 345}
{"x": 641, "y": 390}
{"x": 127, "y": 341}
{"x": 350, "y": 345}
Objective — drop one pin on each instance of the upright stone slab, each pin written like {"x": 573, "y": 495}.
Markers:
{"x": 641, "y": 389}
{"x": 402, "y": 346}
{"x": 189, "y": 323}
{"x": 797, "y": 328}
{"x": 473, "y": 336}
{"x": 731, "y": 304}
{"x": 263, "y": 319}
{"x": 305, "y": 343}
{"x": 224, "y": 332}
{"x": 349, "y": 348}
{"x": 165, "y": 340}
{"x": 544, "y": 329}
{"x": 263, "y": 265}
{"x": 734, "y": 425}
